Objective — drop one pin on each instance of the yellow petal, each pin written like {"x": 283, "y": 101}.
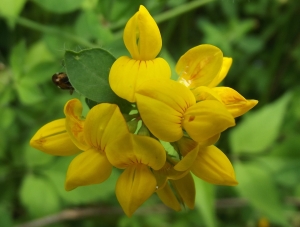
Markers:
{"x": 89, "y": 167}
{"x": 213, "y": 166}
{"x": 142, "y": 36}
{"x": 162, "y": 104}
{"x": 167, "y": 196}
{"x": 136, "y": 149}
{"x": 235, "y": 103}
{"x": 185, "y": 145}
{"x": 74, "y": 123}
{"x": 169, "y": 172}
{"x": 199, "y": 66}
{"x": 103, "y": 125}
{"x": 185, "y": 188}
{"x": 127, "y": 74}
{"x": 54, "y": 139}
{"x": 205, "y": 93}
{"x": 223, "y": 72}
{"x": 187, "y": 161}
{"x": 207, "y": 119}
{"x": 135, "y": 185}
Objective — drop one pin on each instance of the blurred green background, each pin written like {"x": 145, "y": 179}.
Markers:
{"x": 262, "y": 37}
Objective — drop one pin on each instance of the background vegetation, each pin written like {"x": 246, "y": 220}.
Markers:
{"x": 263, "y": 38}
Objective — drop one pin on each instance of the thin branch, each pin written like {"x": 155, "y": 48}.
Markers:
{"x": 81, "y": 213}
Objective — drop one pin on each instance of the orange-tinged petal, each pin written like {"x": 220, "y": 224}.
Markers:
{"x": 142, "y": 36}
{"x": 89, "y": 167}
{"x": 104, "y": 124}
{"x": 206, "y": 119}
{"x": 135, "y": 185}
{"x": 185, "y": 188}
{"x": 213, "y": 166}
{"x": 162, "y": 104}
{"x": 135, "y": 149}
{"x": 223, "y": 72}
{"x": 167, "y": 196}
{"x": 74, "y": 123}
{"x": 127, "y": 74}
{"x": 54, "y": 139}
{"x": 235, "y": 103}
{"x": 199, "y": 66}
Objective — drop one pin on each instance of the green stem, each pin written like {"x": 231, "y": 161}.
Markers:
{"x": 159, "y": 19}
{"x": 54, "y": 31}
{"x": 179, "y": 10}
{"x": 170, "y": 13}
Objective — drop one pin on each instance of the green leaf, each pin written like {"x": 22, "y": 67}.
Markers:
{"x": 118, "y": 9}
{"x": 34, "y": 157}
{"x": 5, "y": 216}
{"x": 10, "y": 10}
{"x": 7, "y": 117}
{"x": 28, "y": 92}
{"x": 88, "y": 72}
{"x": 257, "y": 186}
{"x": 17, "y": 58}
{"x": 205, "y": 201}
{"x": 39, "y": 49}
{"x": 58, "y": 6}
{"x": 88, "y": 27}
{"x": 38, "y": 196}
{"x": 259, "y": 129}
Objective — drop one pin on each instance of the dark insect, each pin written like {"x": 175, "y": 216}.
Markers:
{"x": 61, "y": 80}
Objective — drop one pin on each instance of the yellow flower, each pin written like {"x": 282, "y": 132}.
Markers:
{"x": 167, "y": 107}
{"x": 136, "y": 154}
{"x": 143, "y": 40}
{"x": 204, "y": 67}
{"x": 54, "y": 139}
{"x": 210, "y": 164}
{"x": 176, "y": 174}
{"x": 234, "y": 102}
{"x": 104, "y": 123}
{"x": 183, "y": 192}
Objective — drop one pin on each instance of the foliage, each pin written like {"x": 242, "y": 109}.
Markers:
{"x": 262, "y": 37}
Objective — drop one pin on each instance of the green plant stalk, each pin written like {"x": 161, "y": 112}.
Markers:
{"x": 50, "y": 30}
{"x": 159, "y": 19}
{"x": 180, "y": 10}
{"x": 168, "y": 14}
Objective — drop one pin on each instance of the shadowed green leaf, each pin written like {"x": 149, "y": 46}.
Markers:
{"x": 88, "y": 72}
{"x": 257, "y": 186}
{"x": 259, "y": 129}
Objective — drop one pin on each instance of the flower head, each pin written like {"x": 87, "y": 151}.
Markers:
{"x": 143, "y": 41}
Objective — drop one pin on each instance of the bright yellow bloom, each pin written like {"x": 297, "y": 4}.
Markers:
{"x": 54, "y": 139}
{"x": 175, "y": 173}
{"x": 183, "y": 190}
{"x": 103, "y": 124}
{"x": 136, "y": 154}
{"x": 200, "y": 65}
{"x": 143, "y": 40}
{"x": 234, "y": 102}
{"x": 167, "y": 107}
{"x": 204, "y": 67}
{"x": 211, "y": 164}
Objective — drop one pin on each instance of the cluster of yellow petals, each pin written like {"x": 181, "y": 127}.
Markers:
{"x": 102, "y": 140}
{"x": 190, "y": 114}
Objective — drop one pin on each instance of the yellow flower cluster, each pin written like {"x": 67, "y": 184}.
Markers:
{"x": 189, "y": 113}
